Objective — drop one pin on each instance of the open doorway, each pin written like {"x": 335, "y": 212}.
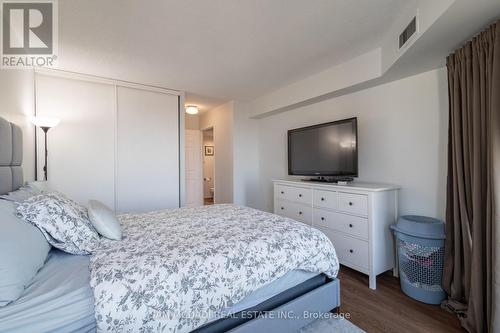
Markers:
{"x": 208, "y": 166}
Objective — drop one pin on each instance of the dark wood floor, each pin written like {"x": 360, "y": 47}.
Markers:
{"x": 387, "y": 309}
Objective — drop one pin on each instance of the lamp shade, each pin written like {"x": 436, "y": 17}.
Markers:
{"x": 192, "y": 109}
{"x": 47, "y": 122}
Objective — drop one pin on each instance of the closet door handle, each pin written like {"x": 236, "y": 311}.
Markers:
{"x": 322, "y": 219}
{"x": 300, "y": 195}
{"x": 322, "y": 199}
{"x": 351, "y": 251}
{"x": 350, "y": 225}
{"x": 282, "y": 192}
{"x": 350, "y": 203}
{"x": 300, "y": 213}
{"x": 282, "y": 208}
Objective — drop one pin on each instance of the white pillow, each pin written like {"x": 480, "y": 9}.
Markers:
{"x": 22, "y": 194}
{"x": 104, "y": 220}
{"x": 41, "y": 186}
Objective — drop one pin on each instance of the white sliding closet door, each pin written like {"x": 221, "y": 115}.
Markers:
{"x": 147, "y": 165}
{"x": 81, "y": 148}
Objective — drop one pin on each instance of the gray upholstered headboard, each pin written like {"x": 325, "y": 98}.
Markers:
{"x": 11, "y": 156}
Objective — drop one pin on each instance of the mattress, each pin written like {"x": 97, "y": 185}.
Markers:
{"x": 181, "y": 268}
{"x": 60, "y": 298}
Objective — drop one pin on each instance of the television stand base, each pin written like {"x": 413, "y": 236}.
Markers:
{"x": 329, "y": 179}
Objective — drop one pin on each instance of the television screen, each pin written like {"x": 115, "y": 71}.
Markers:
{"x": 324, "y": 150}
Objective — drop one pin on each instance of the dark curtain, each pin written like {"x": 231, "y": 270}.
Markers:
{"x": 474, "y": 98}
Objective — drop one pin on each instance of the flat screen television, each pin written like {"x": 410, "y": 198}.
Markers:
{"x": 329, "y": 149}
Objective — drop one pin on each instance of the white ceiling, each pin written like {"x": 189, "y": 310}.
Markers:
{"x": 218, "y": 50}
{"x": 204, "y": 103}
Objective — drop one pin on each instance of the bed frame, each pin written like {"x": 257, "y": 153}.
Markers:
{"x": 285, "y": 312}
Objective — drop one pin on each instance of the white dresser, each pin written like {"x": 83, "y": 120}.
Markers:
{"x": 356, "y": 217}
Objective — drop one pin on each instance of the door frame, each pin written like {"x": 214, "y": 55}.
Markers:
{"x": 211, "y": 128}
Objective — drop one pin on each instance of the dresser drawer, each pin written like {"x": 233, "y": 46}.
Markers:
{"x": 353, "y": 225}
{"x": 327, "y": 199}
{"x": 294, "y": 211}
{"x": 291, "y": 193}
{"x": 353, "y": 203}
{"x": 351, "y": 251}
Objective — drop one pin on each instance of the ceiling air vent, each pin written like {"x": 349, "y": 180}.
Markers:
{"x": 408, "y": 32}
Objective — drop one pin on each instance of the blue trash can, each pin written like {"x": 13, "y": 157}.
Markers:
{"x": 420, "y": 250}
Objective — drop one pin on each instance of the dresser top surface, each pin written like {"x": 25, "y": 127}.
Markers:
{"x": 362, "y": 186}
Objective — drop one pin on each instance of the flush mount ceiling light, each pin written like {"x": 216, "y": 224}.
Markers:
{"x": 192, "y": 109}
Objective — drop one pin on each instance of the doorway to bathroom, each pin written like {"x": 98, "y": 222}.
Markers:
{"x": 208, "y": 166}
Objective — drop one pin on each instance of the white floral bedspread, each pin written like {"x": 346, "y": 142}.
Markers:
{"x": 178, "y": 269}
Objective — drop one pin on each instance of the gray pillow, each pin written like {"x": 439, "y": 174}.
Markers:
{"x": 23, "y": 251}
{"x": 104, "y": 220}
{"x": 63, "y": 222}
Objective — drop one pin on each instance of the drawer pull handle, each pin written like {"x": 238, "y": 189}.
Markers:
{"x": 350, "y": 203}
{"x": 300, "y": 213}
{"x": 351, "y": 251}
{"x": 282, "y": 192}
{"x": 322, "y": 219}
{"x": 350, "y": 225}
{"x": 282, "y": 208}
{"x": 322, "y": 199}
{"x": 300, "y": 195}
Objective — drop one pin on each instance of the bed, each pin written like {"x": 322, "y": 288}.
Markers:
{"x": 60, "y": 298}
{"x": 222, "y": 268}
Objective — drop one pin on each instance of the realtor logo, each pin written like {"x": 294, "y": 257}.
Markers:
{"x": 29, "y": 34}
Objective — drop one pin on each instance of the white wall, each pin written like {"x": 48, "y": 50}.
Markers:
{"x": 246, "y": 156}
{"x": 191, "y": 122}
{"x": 363, "y": 68}
{"x": 236, "y": 162}
{"x": 16, "y": 98}
{"x": 402, "y": 133}
{"x": 221, "y": 119}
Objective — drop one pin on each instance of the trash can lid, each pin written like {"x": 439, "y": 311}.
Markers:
{"x": 421, "y": 226}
